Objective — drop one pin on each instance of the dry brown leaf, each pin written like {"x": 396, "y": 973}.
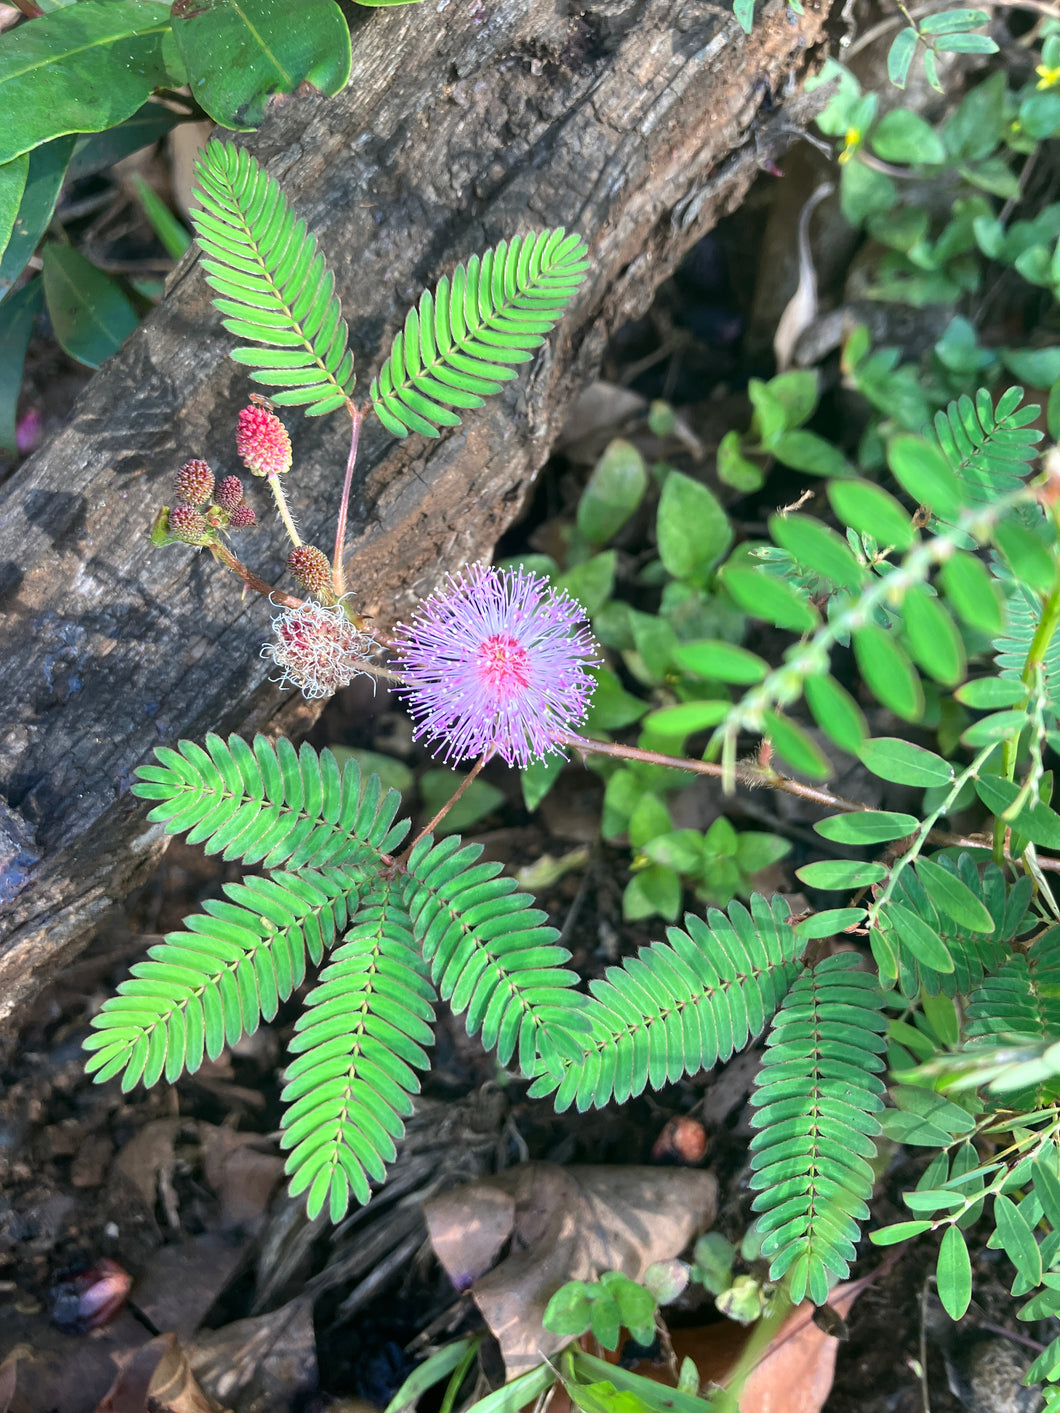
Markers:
{"x": 264, "y": 1362}
{"x": 563, "y": 1224}
{"x": 180, "y": 1282}
{"x": 158, "y": 1379}
{"x": 240, "y": 1173}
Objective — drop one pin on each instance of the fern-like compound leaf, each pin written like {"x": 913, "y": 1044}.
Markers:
{"x": 1023, "y": 997}
{"x": 1023, "y": 614}
{"x": 206, "y": 987}
{"x": 271, "y": 804}
{"x": 816, "y": 1098}
{"x": 989, "y": 448}
{"x": 357, "y": 1046}
{"x": 680, "y": 1006}
{"x": 275, "y": 288}
{"x": 491, "y": 957}
{"x": 972, "y": 953}
{"x": 459, "y": 346}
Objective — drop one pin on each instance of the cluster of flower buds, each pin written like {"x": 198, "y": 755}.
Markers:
{"x": 262, "y": 441}
{"x": 204, "y": 508}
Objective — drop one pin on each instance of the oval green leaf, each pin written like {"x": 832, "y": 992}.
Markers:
{"x": 836, "y": 712}
{"x": 887, "y": 671}
{"x": 834, "y": 875}
{"x": 972, "y": 593}
{"x": 954, "y": 898}
{"x": 872, "y": 511}
{"x": 991, "y": 693}
{"x": 917, "y": 937}
{"x": 768, "y": 598}
{"x": 82, "y": 69}
{"x": 90, "y": 315}
{"x": 954, "y": 1274}
{"x": 721, "y": 662}
{"x": 819, "y": 548}
{"x": 800, "y": 751}
{"x": 933, "y": 637}
{"x": 692, "y": 529}
{"x": 829, "y": 922}
{"x": 866, "y": 827}
{"x": 903, "y": 763}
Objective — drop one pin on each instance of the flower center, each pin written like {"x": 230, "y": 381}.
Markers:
{"x": 503, "y": 664}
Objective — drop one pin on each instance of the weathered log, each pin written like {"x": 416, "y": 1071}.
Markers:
{"x": 636, "y": 124}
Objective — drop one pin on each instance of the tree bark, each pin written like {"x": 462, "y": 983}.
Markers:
{"x": 636, "y": 124}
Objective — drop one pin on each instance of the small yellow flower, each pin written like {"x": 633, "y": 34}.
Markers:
{"x": 852, "y": 142}
{"x": 1048, "y": 77}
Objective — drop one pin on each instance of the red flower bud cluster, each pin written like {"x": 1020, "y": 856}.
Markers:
{"x": 262, "y": 442}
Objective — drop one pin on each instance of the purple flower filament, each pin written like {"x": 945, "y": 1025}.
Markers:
{"x": 498, "y": 661}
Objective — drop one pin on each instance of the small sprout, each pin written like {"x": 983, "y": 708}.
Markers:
{"x": 195, "y": 483}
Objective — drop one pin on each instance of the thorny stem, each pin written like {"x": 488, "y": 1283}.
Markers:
{"x": 433, "y": 824}
{"x": 281, "y": 505}
{"x": 225, "y": 556}
{"x": 763, "y": 777}
{"x": 338, "y": 573}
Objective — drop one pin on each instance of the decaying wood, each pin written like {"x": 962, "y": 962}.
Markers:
{"x": 635, "y": 123}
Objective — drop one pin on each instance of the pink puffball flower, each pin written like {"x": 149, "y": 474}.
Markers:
{"x": 496, "y": 661}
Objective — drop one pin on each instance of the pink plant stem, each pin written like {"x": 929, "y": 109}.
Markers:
{"x": 251, "y": 580}
{"x": 338, "y": 573}
{"x": 758, "y": 776}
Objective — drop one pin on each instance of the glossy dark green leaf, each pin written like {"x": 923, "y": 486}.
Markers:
{"x": 18, "y": 317}
{"x": 239, "y": 53}
{"x": 84, "y": 68}
{"x": 887, "y": 671}
{"x": 1017, "y": 1238}
{"x": 90, "y": 315}
{"x": 13, "y": 176}
{"x": 98, "y": 151}
{"x": 47, "y": 167}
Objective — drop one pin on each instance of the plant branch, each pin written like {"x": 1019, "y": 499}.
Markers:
{"x": 225, "y": 556}
{"x": 338, "y": 571}
{"x": 432, "y": 824}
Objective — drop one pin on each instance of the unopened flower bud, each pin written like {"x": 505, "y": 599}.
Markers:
{"x": 187, "y": 524}
{"x": 242, "y": 517}
{"x": 194, "y": 483}
{"x": 311, "y": 567}
{"x": 230, "y": 493}
{"x": 262, "y": 442}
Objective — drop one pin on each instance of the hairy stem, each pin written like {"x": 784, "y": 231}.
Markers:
{"x": 281, "y": 505}
{"x": 225, "y": 556}
{"x": 338, "y": 572}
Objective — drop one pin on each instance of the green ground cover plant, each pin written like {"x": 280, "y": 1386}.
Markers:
{"x": 916, "y": 1000}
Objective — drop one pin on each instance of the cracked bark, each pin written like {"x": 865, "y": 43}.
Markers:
{"x": 636, "y": 124}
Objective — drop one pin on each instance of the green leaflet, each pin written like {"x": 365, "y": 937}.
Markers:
{"x": 356, "y": 1047}
{"x": 681, "y": 1005}
{"x": 458, "y": 346}
{"x": 275, "y": 287}
{"x": 816, "y": 1098}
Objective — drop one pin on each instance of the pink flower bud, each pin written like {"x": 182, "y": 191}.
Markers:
{"x": 262, "y": 442}
{"x": 230, "y": 493}
{"x": 311, "y": 567}
{"x": 242, "y": 517}
{"x": 194, "y": 483}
